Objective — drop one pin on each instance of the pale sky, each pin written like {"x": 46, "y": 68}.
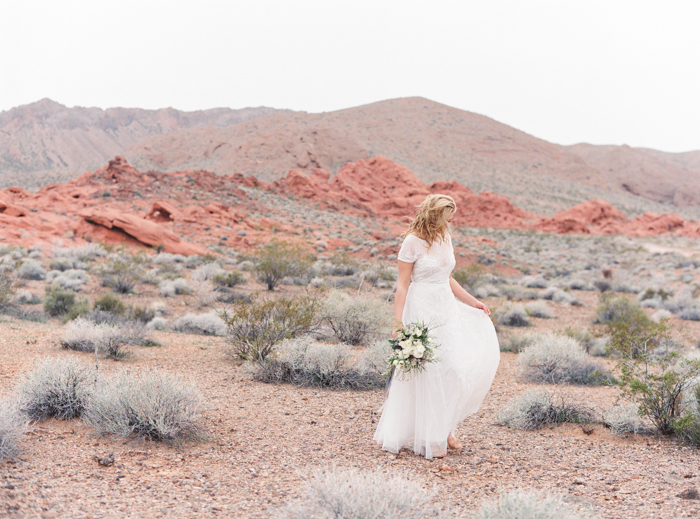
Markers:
{"x": 603, "y": 72}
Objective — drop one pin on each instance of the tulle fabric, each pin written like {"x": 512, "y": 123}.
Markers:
{"x": 420, "y": 412}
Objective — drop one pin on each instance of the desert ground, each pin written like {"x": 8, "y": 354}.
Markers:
{"x": 259, "y": 442}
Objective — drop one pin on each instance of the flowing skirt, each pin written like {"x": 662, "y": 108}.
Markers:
{"x": 420, "y": 412}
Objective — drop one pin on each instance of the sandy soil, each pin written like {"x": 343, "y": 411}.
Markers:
{"x": 262, "y": 440}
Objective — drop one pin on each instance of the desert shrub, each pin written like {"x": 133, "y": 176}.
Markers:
{"x": 84, "y": 253}
{"x": 538, "y": 309}
{"x": 352, "y": 494}
{"x": 151, "y": 277}
{"x": 58, "y": 301}
{"x": 354, "y": 320}
{"x": 487, "y": 290}
{"x": 25, "y": 297}
{"x": 511, "y": 315}
{"x": 72, "y": 279}
{"x": 7, "y": 289}
{"x": 515, "y": 342}
{"x": 81, "y": 307}
{"x": 142, "y": 314}
{"x": 12, "y": 427}
{"x": 471, "y": 277}
{"x": 207, "y": 272}
{"x": 280, "y": 259}
{"x": 688, "y": 426}
{"x": 624, "y": 420}
{"x": 157, "y": 323}
{"x": 579, "y": 284}
{"x": 110, "y": 303}
{"x": 108, "y": 336}
{"x": 306, "y": 362}
{"x": 166, "y": 258}
{"x": 229, "y": 279}
{"x": 616, "y": 311}
{"x": 61, "y": 264}
{"x": 200, "y": 324}
{"x": 534, "y": 282}
{"x": 56, "y": 388}
{"x": 653, "y": 374}
{"x": 176, "y": 287}
{"x": 535, "y": 409}
{"x": 558, "y": 359}
{"x": 342, "y": 264}
{"x": 122, "y": 272}
{"x": 660, "y": 315}
{"x": 254, "y": 329}
{"x": 513, "y": 293}
{"x": 526, "y": 505}
{"x": 602, "y": 285}
{"x": 690, "y": 313}
{"x": 31, "y": 269}
{"x": 153, "y": 405}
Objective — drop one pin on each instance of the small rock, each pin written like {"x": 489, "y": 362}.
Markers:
{"x": 691, "y": 493}
{"x": 578, "y": 481}
{"x": 104, "y": 461}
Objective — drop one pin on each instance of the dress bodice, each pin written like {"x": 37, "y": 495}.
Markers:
{"x": 432, "y": 264}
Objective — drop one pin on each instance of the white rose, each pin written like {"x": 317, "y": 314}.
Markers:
{"x": 419, "y": 351}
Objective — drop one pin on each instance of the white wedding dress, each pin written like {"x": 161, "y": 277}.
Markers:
{"x": 421, "y": 411}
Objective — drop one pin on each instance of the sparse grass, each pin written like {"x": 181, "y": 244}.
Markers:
{"x": 153, "y": 405}
{"x": 56, "y": 388}
{"x": 306, "y": 362}
{"x": 535, "y": 409}
{"x": 352, "y": 494}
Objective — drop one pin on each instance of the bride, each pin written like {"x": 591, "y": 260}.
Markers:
{"x": 422, "y": 412}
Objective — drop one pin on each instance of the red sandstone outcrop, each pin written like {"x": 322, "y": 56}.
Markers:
{"x": 185, "y": 211}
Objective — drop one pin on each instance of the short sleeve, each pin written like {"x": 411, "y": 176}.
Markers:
{"x": 410, "y": 249}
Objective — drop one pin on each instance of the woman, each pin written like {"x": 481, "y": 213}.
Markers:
{"x": 423, "y": 411}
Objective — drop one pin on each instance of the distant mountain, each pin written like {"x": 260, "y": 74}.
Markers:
{"x": 46, "y": 141}
{"x": 438, "y": 142}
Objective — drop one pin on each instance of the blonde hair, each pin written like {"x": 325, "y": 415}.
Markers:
{"x": 430, "y": 222}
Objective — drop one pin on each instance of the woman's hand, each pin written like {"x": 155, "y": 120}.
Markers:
{"x": 482, "y": 306}
{"x": 397, "y": 327}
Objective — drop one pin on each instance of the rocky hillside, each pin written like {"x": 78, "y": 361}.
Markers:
{"x": 438, "y": 142}
{"x": 46, "y": 142}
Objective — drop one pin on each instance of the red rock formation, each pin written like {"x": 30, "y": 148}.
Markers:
{"x": 119, "y": 204}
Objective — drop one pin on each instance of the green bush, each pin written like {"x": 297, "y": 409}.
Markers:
{"x": 280, "y": 259}
{"x": 255, "y": 329}
{"x": 230, "y": 279}
{"x": 471, "y": 277}
{"x": 688, "y": 426}
{"x": 653, "y": 373}
{"x": 110, "y": 303}
{"x": 342, "y": 264}
{"x": 58, "y": 301}
{"x": 81, "y": 307}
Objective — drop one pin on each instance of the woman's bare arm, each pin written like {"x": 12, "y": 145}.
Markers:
{"x": 466, "y": 297}
{"x": 405, "y": 270}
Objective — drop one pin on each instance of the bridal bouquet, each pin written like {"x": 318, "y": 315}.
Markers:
{"x": 412, "y": 349}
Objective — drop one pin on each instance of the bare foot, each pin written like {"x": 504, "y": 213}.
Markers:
{"x": 454, "y": 443}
